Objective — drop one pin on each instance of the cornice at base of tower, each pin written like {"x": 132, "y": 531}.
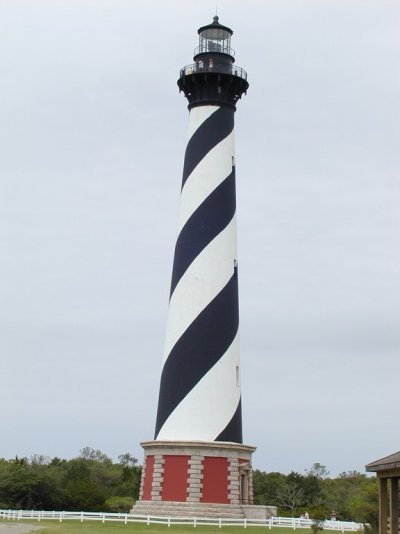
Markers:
{"x": 189, "y": 445}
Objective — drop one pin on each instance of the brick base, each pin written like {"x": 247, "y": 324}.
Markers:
{"x": 195, "y": 478}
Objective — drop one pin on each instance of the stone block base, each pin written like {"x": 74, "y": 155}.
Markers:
{"x": 202, "y": 510}
{"x": 258, "y": 511}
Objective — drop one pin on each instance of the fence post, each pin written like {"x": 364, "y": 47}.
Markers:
{"x": 194, "y": 522}
{"x": 219, "y": 522}
{"x": 245, "y": 522}
{"x": 169, "y": 520}
{"x": 148, "y": 520}
{"x": 126, "y": 519}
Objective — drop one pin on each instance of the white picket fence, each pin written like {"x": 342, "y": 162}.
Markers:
{"x": 291, "y": 522}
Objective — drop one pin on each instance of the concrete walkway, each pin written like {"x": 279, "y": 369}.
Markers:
{"x": 17, "y": 528}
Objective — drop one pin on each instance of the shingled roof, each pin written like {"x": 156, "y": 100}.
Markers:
{"x": 389, "y": 462}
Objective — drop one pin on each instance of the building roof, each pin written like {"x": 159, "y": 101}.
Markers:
{"x": 388, "y": 462}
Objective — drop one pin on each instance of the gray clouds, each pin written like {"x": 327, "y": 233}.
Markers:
{"x": 92, "y": 138}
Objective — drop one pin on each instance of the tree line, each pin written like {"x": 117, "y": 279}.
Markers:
{"x": 90, "y": 482}
{"x": 351, "y": 496}
{"x": 94, "y": 482}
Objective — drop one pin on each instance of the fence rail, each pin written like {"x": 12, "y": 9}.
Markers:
{"x": 291, "y": 522}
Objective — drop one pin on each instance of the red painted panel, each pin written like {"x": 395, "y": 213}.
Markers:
{"x": 148, "y": 479}
{"x": 175, "y": 479}
{"x": 215, "y": 480}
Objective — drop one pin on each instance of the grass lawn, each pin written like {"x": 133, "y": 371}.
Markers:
{"x": 96, "y": 527}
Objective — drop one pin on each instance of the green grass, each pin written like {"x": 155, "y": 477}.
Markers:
{"x": 96, "y": 527}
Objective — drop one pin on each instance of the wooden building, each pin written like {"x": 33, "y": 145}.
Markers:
{"x": 388, "y": 471}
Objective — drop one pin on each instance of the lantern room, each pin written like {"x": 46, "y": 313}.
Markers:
{"x": 215, "y": 39}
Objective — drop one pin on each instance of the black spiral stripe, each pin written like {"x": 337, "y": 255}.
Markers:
{"x": 213, "y": 130}
{"x": 213, "y": 215}
{"x": 233, "y": 430}
{"x": 198, "y": 349}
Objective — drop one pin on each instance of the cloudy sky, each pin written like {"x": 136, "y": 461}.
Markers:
{"x": 92, "y": 137}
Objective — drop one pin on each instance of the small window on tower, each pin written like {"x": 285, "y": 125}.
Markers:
{"x": 233, "y": 161}
{"x": 237, "y": 376}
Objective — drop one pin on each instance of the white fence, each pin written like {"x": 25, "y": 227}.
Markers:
{"x": 291, "y": 522}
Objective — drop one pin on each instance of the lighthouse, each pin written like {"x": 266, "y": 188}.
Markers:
{"x": 197, "y": 463}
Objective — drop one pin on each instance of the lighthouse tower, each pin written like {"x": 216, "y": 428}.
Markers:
{"x": 197, "y": 463}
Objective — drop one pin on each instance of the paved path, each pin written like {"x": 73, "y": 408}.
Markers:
{"x": 16, "y": 528}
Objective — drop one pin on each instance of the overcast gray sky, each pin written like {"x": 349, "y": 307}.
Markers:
{"x": 92, "y": 137}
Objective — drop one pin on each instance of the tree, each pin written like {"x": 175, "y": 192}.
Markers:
{"x": 94, "y": 455}
{"x": 119, "y": 504}
{"x": 317, "y": 470}
{"x": 266, "y": 486}
{"x": 83, "y": 492}
{"x": 364, "y": 504}
{"x": 290, "y": 496}
{"x": 23, "y": 486}
{"x": 339, "y": 492}
{"x": 39, "y": 459}
{"x": 127, "y": 460}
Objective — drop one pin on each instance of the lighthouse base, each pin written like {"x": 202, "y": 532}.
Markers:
{"x": 203, "y": 510}
{"x": 198, "y": 479}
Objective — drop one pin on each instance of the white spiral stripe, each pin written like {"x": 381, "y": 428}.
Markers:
{"x": 197, "y": 116}
{"x": 209, "y": 173}
{"x": 211, "y": 403}
{"x": 204, "y": 279}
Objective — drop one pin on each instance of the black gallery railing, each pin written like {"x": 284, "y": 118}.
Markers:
{"x": 213, "y": 66}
